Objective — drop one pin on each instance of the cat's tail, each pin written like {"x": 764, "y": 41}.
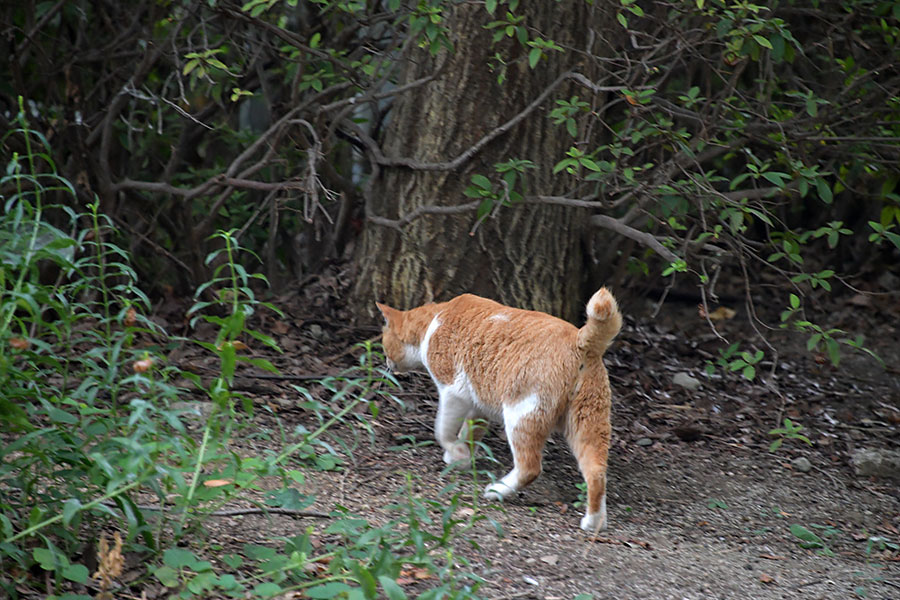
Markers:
{"x": 603, "y": 324}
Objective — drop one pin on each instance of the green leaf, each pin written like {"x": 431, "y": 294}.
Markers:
{"x": 813, "y": 341}
{"x": 749, "y": 372}
{"x": 491, "y": 6}
{"x": 776, "y": 177}
{"x": 824, "y": 191}
{"x": 365, "y": 579}
{"x": 47, "y": 558}
{"x": 587, "y": 162}
{"x": 484, "y": 209}
{"x": 167, "y": 576}
{"x": 60, "y": 416}
{"x": 811, "y": 107}
{"x": 893, "y": 237}
{"x": 178, "y": 558}
{"x": 391, "y": 588}
{"x": 763, "y": 41}
{"x": 70, "y": 509}
{"x": 328, "y": 590}
{"x": 622, "y": 20}
{"x": 233, "y": 560}
{"x": 77, "y": 573}
{"x": 807, "y": 537}
{"x": 833, "y": 350}
{"x": 533, "y": 57}
{"x": 775, "y": 445}
{"x": 481, "y": 181}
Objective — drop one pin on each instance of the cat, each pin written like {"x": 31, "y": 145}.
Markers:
{"x": 532, "y": 371}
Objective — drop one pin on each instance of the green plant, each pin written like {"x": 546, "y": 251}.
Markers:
{"x": 789, "y": 431}
{"x": 85, "y": 385}
{"x": 732, "y": 360}
{"x": 808, "y": 539}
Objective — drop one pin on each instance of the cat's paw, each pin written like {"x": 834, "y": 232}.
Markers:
{"x": 457, "y": 452}
{"x": 498, "y": 491}
{"x": 594, "y": 522}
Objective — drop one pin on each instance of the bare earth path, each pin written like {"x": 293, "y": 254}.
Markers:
{"x": 699, "y": 508}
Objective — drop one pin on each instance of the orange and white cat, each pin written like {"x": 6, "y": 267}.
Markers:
{"x": 532, "y": 371}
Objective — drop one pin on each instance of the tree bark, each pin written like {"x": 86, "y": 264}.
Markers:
{"x": 528, "y": 256}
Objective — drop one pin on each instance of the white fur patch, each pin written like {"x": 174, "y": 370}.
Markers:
{"x": 513, "y": 413}
{"x": 460, "y": 388}
{"x": 503, "y": 488}
{"x": 418, "y": 355}
{"x": 592, "y": 522}
{"x": 498, "y": 317}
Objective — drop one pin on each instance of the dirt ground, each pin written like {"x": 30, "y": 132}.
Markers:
{"x": 698, "y": 506}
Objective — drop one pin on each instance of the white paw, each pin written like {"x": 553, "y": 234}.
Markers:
{"x": 594, "y": 522}
{"x": 457, "y": 452}
{"x": 498, "y": 491}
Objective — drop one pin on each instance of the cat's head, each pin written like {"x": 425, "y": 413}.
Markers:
{"x": 399, "y": 340}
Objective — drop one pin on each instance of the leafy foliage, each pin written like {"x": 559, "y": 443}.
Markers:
{"x": 93, "y": 424}
{"x": 724, "y": 136}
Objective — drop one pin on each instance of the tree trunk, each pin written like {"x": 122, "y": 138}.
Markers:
{"x": 528, "y": 256}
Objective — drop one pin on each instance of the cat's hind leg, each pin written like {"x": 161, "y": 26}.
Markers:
{"x": 591, "y": 450}
{"x": 526, "y": 433}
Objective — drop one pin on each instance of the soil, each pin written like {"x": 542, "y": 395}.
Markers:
{"x": 698, "y": 505}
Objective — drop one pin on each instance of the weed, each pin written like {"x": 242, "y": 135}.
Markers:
{"x": 809, "y": 539}
{"x": 790, "y": 431}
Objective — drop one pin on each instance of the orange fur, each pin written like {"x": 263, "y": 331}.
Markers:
{"x": 533, "y": 372}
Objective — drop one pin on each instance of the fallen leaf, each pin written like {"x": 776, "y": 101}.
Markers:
{"x": 280, "y": 327}
{"x": 772, "y": 557}
{"x": 19, "y": 343}
{"x": 143, "y": 365}
{"x": 766, "y": 578}
{"x": 214, "y": 483}
{"x": 722, "y": 313}
{"x": 130, "y": 317}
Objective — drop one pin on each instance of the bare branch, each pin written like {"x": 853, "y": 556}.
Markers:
{"x": 466, "y": 155}
{"x": 408, "y": 218}
{"x": 641, "y": 237}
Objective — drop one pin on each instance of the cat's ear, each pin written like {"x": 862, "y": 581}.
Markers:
{"x": 386, "y": 311}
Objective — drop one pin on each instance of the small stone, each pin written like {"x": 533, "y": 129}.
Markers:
{"x": 315, "y": 331}
{"x": 644, "y": 442}
{"x": 686, "y": 381}
{"x": 531, "y": 581}
{"x": 802, "y": 464}
{"x": 876, "y": 463}
{"x": 550, "y": 559}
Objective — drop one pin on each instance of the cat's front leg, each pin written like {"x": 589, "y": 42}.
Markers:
{"x": 452, "y": 414}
